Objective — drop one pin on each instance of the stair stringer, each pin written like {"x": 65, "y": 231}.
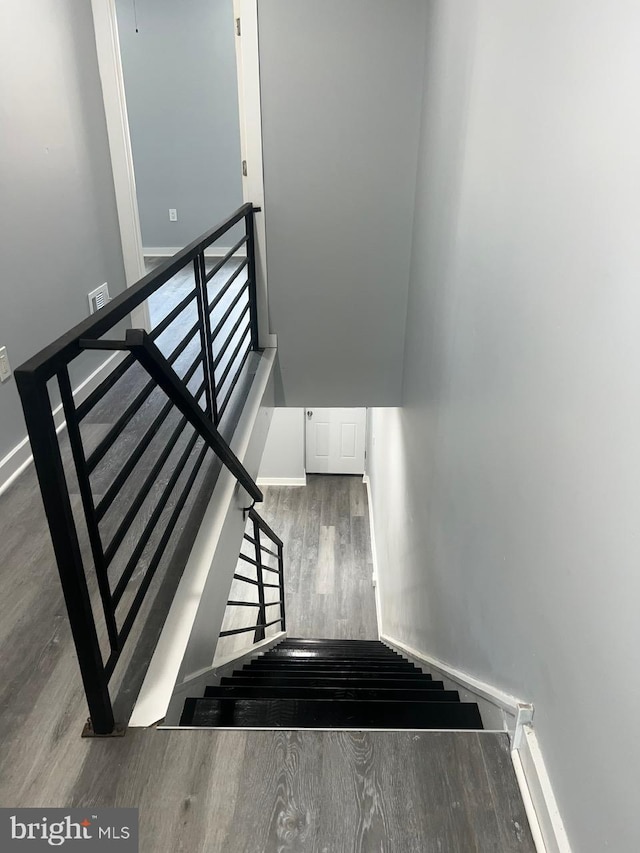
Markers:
{"x": 186, "y": 646}
{"x": 212, "y": 675}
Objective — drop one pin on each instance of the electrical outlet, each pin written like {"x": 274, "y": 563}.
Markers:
{"x": 5, "y": 367}
{"x": 173, "y": 214}
{"x": 98, "y": 298}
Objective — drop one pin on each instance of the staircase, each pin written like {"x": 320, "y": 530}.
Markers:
{"x": 325, "y": 684}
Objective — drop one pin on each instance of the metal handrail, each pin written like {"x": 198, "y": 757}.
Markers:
{"x": 49, "y": 360}
{"x": 141, "y": 348}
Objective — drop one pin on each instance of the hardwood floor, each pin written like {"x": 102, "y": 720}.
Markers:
{"x": 328, "y": 565}
{"x": 243, "y": 792}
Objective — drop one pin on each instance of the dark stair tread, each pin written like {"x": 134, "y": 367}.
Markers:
{"x": 265, "y": 691}
{"x": 335, "y": 672}
{"x": 269, "y": 663}
{"x": 330, "y": 644}
{"x": 424, "y": 683}
{"x": 313, "y": 654}
{"x": 316, "y": 713}
{"x": 332, "y": 658}
{"x": 327, "y": 642}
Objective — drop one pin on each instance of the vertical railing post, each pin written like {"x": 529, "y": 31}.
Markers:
{"x": 251, "y": 273}
{"x": 57, "y": 505}
{"x": 86, "y": 494}
{"x": 206, "y": 341}
{"x": 262, "y": 610}
{"x": 283, "y": 619}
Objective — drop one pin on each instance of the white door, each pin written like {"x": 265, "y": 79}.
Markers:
{"x": 335, "y": 441}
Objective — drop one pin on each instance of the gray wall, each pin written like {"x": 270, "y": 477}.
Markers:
{"x": 284, "y": 452}
{"x": 507, "y": 488}
{"x": 59, "y": 234}
{"x": 182, "y": 101}
{"x": 340, "y": 106}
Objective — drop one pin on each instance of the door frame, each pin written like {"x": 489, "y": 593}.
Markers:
{"x": 115, "y": 107}
{"x": 124, "y": 181}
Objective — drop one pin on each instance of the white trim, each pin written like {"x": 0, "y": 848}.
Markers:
{"x": 250, "y": 109}
{"x": 532, "y": 817}
{"x": 318, "y": 729}
{"x": 374, "y": 554}
{"x": 235, "y": 657}
{"x": 282, "y": 481}
{"x": 124, "y": 182}
{"x": 170, "y": 251}
{"x": 239, "y": 656}
{"x": 19, "y": 459}
{"x": 538, "y": 791}
{"x": 167, "y": 660}
{"x": 504, "y": 701}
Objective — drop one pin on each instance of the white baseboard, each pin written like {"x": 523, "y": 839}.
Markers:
{"x": 18, "y": 459}
{"x": 282, "y": 481}
{"x": 374, "y": 555}
{"x": 537, "y": 792}
{"x": 170, "y": 251}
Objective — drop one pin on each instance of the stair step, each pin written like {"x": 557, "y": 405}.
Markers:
{"x": 331, "y": 672}
{"x": 351, "y": 665}
{"x": 304, "y": 654}
{"x": 251, "y": 691}
{"x": 317, "y": 713}
{"x": 279, "y": 680}
{"x": 299, "y": 643}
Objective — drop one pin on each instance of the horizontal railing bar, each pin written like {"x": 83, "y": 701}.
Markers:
{"x": 246, "y": 580}
{"x": 227, "y": 257}
{"x": 132, "y": 409}
{"x": 233, "y": 357}
{"x": 171, "y": 316}
{"x": 144, "y": 537}
{"x": 262, "y": 524}
{"x": 255, "y": 583}
{"x": 125, "y": 472}
{"x": 48, "y": 361}
{"x": 106, "y": 385}
{"x": 243, "y": 603}
{"x": 222, "y": 408}
{"x": 225, "y": 288}
{"x": 228, "y": 312}
{"x": 263, "y": 547}
{"x": 245, "y": 630}
{"x": 254, "y": 563}
{"x": 157, "y": 557}
{"x": 140, "y": 498}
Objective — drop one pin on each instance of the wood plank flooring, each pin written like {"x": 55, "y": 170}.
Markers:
{"x": 242, "y": 792}
{"x": 328, "y": 564}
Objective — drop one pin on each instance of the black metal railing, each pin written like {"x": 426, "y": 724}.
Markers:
{"x": 162, "y": 404}
{"x": 263, "y": 555}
